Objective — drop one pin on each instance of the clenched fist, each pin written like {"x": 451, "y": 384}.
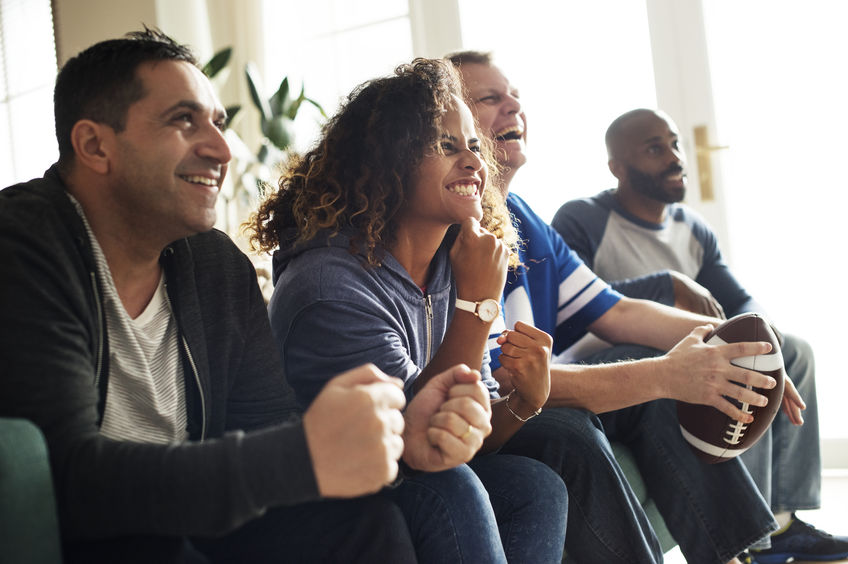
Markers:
{"x": 354, "y": 431}
{"x": 479, "y": 261}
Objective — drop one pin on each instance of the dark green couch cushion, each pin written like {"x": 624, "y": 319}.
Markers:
{"x": 628, "y": 465}
{"x": 29, "y": 528}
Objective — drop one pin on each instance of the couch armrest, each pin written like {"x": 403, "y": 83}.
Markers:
{"x": 29, "y": 527}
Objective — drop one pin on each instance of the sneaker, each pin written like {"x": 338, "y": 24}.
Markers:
{"x": 802, "y": 541}
{"x": 748, "y": 558}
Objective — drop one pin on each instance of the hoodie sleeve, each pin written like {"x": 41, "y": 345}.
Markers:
{"x": 328, "y": 337}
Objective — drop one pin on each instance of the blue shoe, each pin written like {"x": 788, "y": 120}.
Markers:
{"x": 748, "y": 558}
{"x": 802, "y": 541}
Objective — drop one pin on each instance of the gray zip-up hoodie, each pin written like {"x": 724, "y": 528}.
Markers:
{"x": 331, "y": 312}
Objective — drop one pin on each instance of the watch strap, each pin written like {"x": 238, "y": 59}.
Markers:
{"x": 466, "y": 305}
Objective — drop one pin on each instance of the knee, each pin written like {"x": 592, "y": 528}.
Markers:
{"x": 443, "y": 489}
{"x": 521, "y": 482}
{"x": 799, "y": 360}
{"x": 562, "y": 437}
{"x": 549, "y": 486}
{"x": 378, "y": 511}
{"x": 549, "y": 496}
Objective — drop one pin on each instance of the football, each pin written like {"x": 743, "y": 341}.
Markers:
{"x": 714, "y": 436}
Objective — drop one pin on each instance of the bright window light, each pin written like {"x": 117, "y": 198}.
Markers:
{"x": 27, "y": 71}
{"x": 577, "y": 65}
{"x": 780, "y": 92}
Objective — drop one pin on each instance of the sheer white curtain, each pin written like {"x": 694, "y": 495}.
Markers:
{"x": 27, "y": 71}
{"x": 780, "y": 91}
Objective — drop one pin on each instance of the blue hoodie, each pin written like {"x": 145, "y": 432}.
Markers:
{"x": 331, "y": 312}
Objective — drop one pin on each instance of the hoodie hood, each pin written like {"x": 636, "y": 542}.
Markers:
{"x": 397, "y": 275}
{"x": 288, "y": 250}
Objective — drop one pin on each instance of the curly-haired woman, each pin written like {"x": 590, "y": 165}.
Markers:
{"x": 393, "y": 249}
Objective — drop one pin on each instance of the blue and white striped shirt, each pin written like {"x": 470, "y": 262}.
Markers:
{"x": 553, "y": 290}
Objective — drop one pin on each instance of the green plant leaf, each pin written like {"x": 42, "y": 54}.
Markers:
{"x": 317, "y": 105}
{"x": 231, "y": 112}
{"x": 262, "y": 155}
{"x": 280, "y": 100}
{"x": 295, "y": 105}
{"x": 218, "y": 61}
{"x": 254, "y": 84}
{"x": 279, "y": 131}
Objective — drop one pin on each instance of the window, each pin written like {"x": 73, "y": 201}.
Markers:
{"x": 336, "y": 45}
{"x": 27, "y": 72}
{"x": 784, "y": 201}
{"x": 577, "y": 66}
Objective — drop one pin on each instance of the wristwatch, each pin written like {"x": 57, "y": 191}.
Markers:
{"x": 487, "y": 310}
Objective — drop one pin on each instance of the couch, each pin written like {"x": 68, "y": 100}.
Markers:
{"x": 29, "y": 527}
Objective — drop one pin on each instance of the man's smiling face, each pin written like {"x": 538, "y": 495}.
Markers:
{"x": 495, "y": 103}
{"x": 171, "y": 157}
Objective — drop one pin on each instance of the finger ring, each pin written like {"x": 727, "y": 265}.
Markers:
{"x": 467, "y": 432}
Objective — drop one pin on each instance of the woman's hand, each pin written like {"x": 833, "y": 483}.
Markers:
{"x": 479, "y": 261}
{"x": 526, "y": 355}
{"x": 447, "y": 421}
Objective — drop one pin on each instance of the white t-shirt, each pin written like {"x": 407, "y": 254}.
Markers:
{"x": 145, "y": 395}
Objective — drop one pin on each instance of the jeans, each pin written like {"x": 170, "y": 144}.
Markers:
{"x": 714, "y": 511}
{"x": 364, "y": 530}
{"x": 530, "y": 503}
{"x": 786, "y": 462}
{"x": 495, "y": 509}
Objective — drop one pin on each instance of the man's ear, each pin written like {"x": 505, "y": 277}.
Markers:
{"x": 617, "y": 168}
{"x": 90, "y": 143}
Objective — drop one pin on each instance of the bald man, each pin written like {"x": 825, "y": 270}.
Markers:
{"x": 641, "y": 239}
{"x": 623, "y": 393}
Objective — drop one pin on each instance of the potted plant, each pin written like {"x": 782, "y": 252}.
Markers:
{"x": 276, "y": 114}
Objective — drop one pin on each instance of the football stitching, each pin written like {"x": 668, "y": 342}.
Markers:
{"x": 736, "y": 432}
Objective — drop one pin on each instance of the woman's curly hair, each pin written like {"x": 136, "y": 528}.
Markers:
{"x": 359, "y": 173}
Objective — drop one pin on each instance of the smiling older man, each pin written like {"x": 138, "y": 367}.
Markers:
{"x": 622, "y": 394}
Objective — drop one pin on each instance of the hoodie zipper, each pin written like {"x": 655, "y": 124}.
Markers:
{"x": 193, "y": 369}
{"x": 199, "y": 388}
{"x": 428, "y": 312}
{"x": 99, "y": 365}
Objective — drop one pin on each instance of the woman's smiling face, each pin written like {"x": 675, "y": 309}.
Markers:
{"x": 449, "y": 182}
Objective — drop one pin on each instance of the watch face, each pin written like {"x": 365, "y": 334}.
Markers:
{"x": 488, "y": 310}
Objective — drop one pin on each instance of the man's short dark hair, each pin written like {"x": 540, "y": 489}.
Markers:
{"x": 101, "y": 82}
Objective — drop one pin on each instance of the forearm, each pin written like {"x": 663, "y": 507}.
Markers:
{"x": 464, "y": 343}
{"x": 606, "y": 387}
{"x": 716, "y": 277}
{"x": 110, "y": 489}
{"x": 646, "y": 323}
{"x": 506, "y": 423}
{"x": 656, "y": 287}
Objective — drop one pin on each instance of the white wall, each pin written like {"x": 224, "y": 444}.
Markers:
{"x": 80, "y": 23}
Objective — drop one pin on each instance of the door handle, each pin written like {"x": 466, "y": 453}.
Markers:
{"x": 703, "y": 153}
